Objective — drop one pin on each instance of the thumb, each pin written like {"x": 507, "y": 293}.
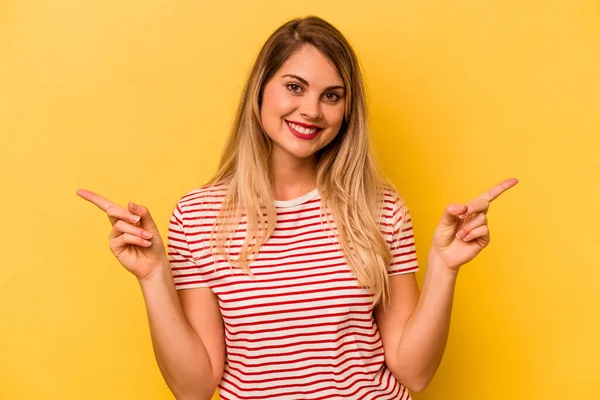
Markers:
{"x": 451, "y": 214}
{"x": 146, "y": 220}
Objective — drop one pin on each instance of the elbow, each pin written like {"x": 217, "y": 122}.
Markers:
{"x": 203, "y": 389}
{"x": 204, "y": 394}
{"x": 417, "y": 385}
{"x": 414, "y": 381}
{"x": 217, "y": 379}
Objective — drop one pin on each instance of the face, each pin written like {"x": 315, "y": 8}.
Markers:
{"x": 303, "y": 105}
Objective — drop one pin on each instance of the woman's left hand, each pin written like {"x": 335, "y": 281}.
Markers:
{"x": 463, "y": 232}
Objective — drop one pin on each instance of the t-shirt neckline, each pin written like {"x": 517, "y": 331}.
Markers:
{"x": 298, "y": 200}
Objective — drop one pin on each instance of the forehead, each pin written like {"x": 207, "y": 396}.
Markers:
{"x": 310, "y": 64}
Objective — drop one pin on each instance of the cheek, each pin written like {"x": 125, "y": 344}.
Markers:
{"x": 335, "y": 116}
{"x": 276, "y": 105}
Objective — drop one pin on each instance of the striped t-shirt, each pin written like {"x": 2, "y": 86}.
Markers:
{"x": 303, "y": 328}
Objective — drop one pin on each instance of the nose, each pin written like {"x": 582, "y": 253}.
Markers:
{"x": 310, "y": 107}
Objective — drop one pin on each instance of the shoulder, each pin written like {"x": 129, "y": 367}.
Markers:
{"x": 389, "y": 198}
{"x": 203, "y": 200}
{"x": 393, "y": 210}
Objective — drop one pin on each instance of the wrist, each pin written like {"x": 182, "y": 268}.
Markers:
{"x": 158, "y": 273}
{"x": 437, "y": 265}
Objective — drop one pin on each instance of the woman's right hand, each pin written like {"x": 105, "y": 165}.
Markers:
{"x": 134, "y": 238}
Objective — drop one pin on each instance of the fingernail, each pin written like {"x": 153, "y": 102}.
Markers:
{"x": 146, "y": 234}
{"x": 134, "y": 218}
{"x": 460, "y": 234}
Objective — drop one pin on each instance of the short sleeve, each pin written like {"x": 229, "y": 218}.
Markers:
{"x": 402, "y": 243}
{"x": 186, "y": 272}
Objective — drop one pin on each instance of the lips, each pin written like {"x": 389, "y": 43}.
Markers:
{"x": 303, "y": 128}
{"x": 304, "y": 125}
{"x": 304, "y": 131}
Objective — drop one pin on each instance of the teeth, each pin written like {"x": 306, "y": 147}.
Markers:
{"x": 304, "y": 131}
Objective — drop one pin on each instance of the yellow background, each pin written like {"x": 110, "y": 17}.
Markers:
{"x": 134, "y": 100}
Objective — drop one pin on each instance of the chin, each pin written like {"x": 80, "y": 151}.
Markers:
{"x": 302, "y": 154}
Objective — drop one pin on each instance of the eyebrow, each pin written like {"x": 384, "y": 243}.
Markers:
{"x": 305, "y": 82}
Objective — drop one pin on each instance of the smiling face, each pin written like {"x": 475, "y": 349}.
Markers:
{"x": 303, "y": 105}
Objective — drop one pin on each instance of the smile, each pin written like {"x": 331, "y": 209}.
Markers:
{"x": 304, "y": 132}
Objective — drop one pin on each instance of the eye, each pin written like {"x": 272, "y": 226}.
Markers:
{"x": 293, "y": 87}
{"x": 332, "y": 96}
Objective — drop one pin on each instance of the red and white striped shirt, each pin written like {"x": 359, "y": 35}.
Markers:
{"x": 303, "y": 329}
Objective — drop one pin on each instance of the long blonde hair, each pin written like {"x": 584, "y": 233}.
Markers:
{"x": 349, "y": 182}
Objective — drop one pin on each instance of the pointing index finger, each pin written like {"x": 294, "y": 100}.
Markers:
{"x": 500, "y": 188}
{"x": 92, "y": 197}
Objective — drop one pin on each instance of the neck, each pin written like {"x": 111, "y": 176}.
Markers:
{"x": 291, "y": 176}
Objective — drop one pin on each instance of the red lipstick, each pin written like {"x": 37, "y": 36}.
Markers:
{"x": 301, "y": 135}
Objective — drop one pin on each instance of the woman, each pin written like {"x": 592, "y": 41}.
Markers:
{"x": 291, "y": 274}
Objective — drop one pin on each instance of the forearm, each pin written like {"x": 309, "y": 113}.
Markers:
{"x": 424, "y": 338}
{"x": 180, "y": 354}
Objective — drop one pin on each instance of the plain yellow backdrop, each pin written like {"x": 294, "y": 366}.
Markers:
{"x": 134, "y": 100}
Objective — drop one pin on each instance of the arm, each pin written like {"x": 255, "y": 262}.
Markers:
{"x": 186, "y": 326}
{"x": 414, "y": 329}
{"x": 187, "y": 335}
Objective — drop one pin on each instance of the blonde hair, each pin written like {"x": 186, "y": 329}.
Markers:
{"x": 349, "y": 182}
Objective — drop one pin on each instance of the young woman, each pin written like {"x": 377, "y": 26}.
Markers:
{"x": 291, "y": 274}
